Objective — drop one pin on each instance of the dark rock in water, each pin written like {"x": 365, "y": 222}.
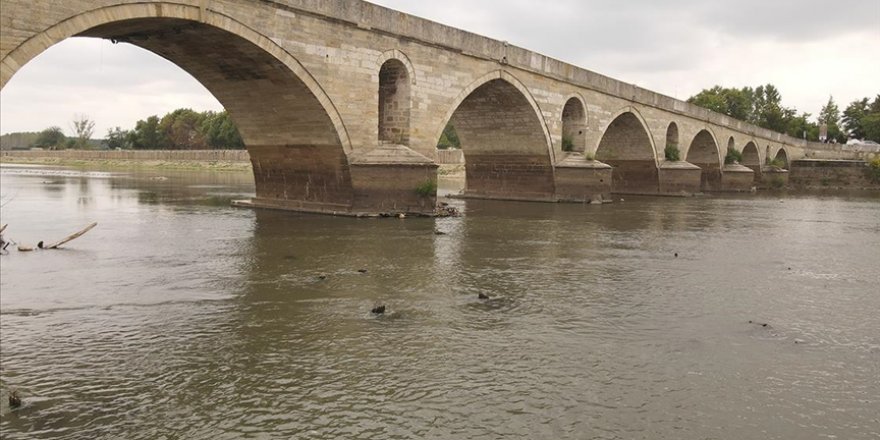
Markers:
{"x": 378, "y": 310}
{"x": 439, "y": 232}
{"x": 676, "y": 255}
{"x": 14, "y": 400}
{"x": 322, "y": 277}
{"x": 483, "y": 296}
{"x": 40, "y": 245}
{"x": 362, "y": 271}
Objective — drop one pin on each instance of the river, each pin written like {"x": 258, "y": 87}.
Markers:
{"x": 182, "y": 317}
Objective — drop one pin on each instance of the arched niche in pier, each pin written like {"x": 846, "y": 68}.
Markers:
{"x": 574, "y": 126}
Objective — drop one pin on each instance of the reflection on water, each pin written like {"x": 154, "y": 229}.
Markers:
{"x": 180, "y": 317}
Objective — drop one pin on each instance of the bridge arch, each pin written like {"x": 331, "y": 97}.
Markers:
{"x": 752, "y": 159}
{"x": 627, "y": 145}
{"x": 574, "y": 124}
{"x": 782, "y": 156}
{"x": 704, "y": 153}
{"x": 506, "y": 144}
{"x": 298, "y": 144}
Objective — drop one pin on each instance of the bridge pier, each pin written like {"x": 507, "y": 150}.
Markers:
{"x": 394, "y": 179}
{"x": 307, "y": 178}
{"x": 774, "y": 178}
{"x": 582, "y": 180}
{"x": 679, "y": 178}
{"x": 509, "y": 176}
{"x": 737, "y": 178}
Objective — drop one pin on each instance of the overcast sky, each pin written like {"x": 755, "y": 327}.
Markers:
{"x": 809, "y": 49}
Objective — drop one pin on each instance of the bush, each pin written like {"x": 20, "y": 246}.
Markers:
{"x": 427, "y": 188}
{"x": 874, "y": 169}
{"x": 777, "y": 163}
{"x": 590, "y": 155}
{"x": 672, "y": 153}
{"x": 777, "y": 183}
{"x": 567, "y": 144}
{"x": 733, "y": 156}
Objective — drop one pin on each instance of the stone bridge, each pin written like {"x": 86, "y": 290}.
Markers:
{"x": 341, "y": 104}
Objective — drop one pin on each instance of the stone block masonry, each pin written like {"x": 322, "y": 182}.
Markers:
{"x": 314, "y": 86}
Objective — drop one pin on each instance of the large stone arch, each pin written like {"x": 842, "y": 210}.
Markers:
{"x": 298, "y": 144}
{"x": 704, "y": 153}
{"x": 627, "y": 145}
{"x": 506, "y": 144}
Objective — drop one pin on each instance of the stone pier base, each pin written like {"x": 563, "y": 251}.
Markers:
{"x": 583, "y": 181}
{"x": 509, "y": 177}
{"x": 737, "y": 178}
{"x": 679, "y": 178}
{"x": 774, "y": 178}
{"x": 390, "y": 179}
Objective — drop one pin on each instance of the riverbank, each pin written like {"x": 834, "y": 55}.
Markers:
{"x": 111, "y": 164}
{"x": 151, "y": 160}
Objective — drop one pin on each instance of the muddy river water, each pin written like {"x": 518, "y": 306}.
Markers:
{"x": 180, "y": 317}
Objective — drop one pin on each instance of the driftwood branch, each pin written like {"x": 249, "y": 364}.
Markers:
{"x": 71, "y": 237}
{"x": 40, "y": 245}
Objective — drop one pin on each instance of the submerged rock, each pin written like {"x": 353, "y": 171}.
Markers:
{"x": 14, "y": 399}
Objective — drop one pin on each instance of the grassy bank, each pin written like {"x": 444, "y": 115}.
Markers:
{"x": 179, "y": 165}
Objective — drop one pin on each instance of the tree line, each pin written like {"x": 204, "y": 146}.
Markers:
{"x": 182, "y": 129}
{"x": 763, "y": 107}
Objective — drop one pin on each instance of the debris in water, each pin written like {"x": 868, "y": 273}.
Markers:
{"x": 378, "y": 310}
{"x": 14, "y": 399}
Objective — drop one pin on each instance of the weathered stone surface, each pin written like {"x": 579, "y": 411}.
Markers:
{"x": 737, "y": 178}
{"x": 679, "y": 178}
{"x": 582, "y": 180}
{"x": 509, "y": 177}
{"x": 808, "y": 173}
{"x": 774, "y": 178}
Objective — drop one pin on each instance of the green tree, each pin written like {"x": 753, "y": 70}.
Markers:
{"x": 52, "y": 138}
{"x": 736, "y": 103}
{"x": 801, "y": 127}
{"x": 118, "y": 138}
{"x": 449, "y": 139}
{"x": 852, "y": 118}
{"x": 83, "y": 128}
{"x": 769, "y": 111}
{"x": 871, "y": 124}
{"x": 830, "y": 115}
{"x": 182, "y": 129}
{"x": 147, "y": 135}
{"x": 220, "y": 132}
{"x": 871, "y": 121}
